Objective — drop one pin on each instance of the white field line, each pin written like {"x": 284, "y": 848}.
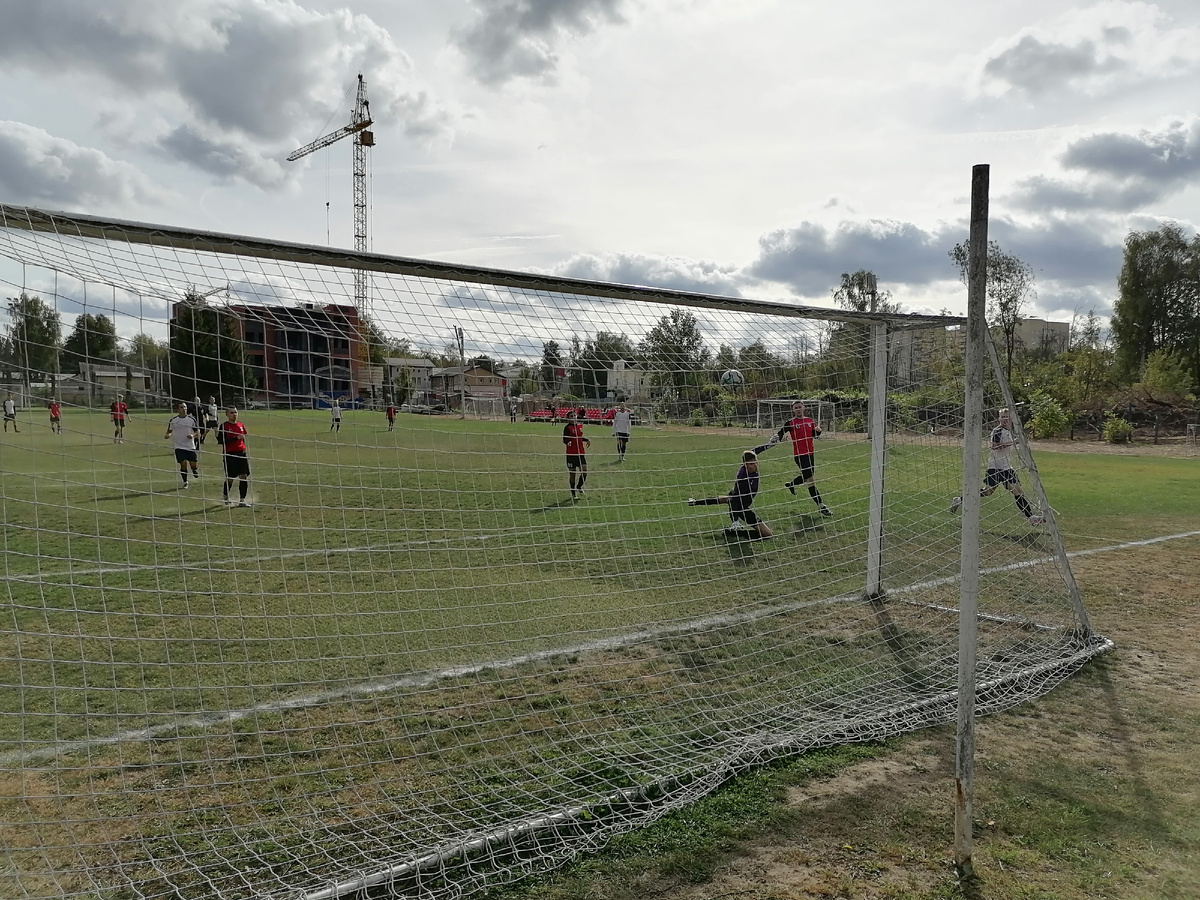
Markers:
{"x": 61, "y": 748}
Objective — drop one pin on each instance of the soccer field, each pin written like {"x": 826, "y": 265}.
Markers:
{"x": 439, "y": 544}
{"x": 415, "y": 637}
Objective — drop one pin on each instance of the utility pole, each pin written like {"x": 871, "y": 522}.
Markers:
{"x": 462, "y": 378}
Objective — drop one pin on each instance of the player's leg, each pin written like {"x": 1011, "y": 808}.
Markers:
{"x": 1014, "y": 487}
{"x": 243, "y": 488}
{"x": 582, "y": 475}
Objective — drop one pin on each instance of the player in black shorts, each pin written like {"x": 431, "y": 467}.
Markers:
{"x": 740, "y": 498}
{"x": 231, "y": 435}
{"x": 576, "y": 447}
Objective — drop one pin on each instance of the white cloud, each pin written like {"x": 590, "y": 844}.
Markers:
{"x": 37, "y": 168}
{"x": 518, "y": 38}
{"x": 228, "y": 86}
{"x": 810, "y": 258}
{"x": 1118, "y": 172}
{"x": 672, "y": 272}
{"x": 1092, "y": 50}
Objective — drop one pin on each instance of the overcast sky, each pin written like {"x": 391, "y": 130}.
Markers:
{"x": 752, "y": 147}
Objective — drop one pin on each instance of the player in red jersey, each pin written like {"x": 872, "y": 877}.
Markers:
{"x": 391, "y": 415}
{"x": 55, "y": 417}
{"x": 231, "y": 435}
{"x": 802, "y": 431}
{"x": 118, "y": 410}
{"x": 576, "y": 446}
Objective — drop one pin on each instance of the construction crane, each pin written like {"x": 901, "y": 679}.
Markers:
{"x": 359, "y": 129}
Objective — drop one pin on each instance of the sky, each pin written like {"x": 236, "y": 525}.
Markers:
{"x": 754, "y": 148}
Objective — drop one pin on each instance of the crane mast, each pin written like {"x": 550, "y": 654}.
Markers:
{"x": 364, "y": 138}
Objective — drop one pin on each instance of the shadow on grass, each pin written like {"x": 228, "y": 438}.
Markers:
{"x": 561, "y": 504}
{"x": 740, "y": 543}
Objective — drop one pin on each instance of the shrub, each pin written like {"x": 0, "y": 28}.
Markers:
{"x": 697, "y": 418}
{"x": 1117, "y": 430}
{"x": 1049, "y": 418}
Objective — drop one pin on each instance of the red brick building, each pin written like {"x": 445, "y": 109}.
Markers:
{"x": 299, "y": 355}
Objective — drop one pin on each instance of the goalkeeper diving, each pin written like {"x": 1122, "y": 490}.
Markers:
{"x": 740, "y": 498}
{"x": 802, "y": 430}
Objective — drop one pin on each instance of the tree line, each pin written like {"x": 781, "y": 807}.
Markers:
{"x": 1148, "y": 360}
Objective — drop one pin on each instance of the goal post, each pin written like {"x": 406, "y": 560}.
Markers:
{"x": 435, "y": 653}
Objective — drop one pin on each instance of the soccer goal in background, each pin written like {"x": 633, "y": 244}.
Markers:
{"x": 416, "y": 665}
{"x": 774, "y": 412}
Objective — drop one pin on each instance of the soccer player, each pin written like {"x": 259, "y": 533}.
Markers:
{"x": 10, "y": 414}
{"x": 802, "y": 430}
{"x": 1001, "y": 472}
{"x": 210, "y": 418}
{"x": 622, "y": 421}
{"x": 231, "y": 435}
{"x": 391, "y": 415}
{"x": 740, "y": 498}
{"x": 576, "y": 446}
{"x": 55, "y": 417}
{"x": 184, "y": 433}
{"x": 118, "y": 410}
{"x": 335, "y": 416}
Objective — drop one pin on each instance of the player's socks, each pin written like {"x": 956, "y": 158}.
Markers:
{"x": 1023, "y": 506}
{"x": 791, "y": 486}
{"x": 243, "y": 487}
{"x": 815, "y": 494}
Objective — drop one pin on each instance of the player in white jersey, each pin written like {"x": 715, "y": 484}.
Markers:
{"x": 10, "y": 413}
{"x": 621, "y": 428}
{"x": 1000, "y": 470}
{"x": 184, "y": 432}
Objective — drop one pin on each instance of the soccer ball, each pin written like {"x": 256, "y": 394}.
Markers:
{"x": 732, "y": 378}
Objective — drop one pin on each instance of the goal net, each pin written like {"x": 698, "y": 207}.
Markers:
{"x": 428, "y": 655}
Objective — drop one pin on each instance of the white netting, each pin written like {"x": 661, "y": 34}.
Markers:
{"x": 415, "y": 663}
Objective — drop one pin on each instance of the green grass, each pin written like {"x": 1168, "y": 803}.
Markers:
{"x": 443, "y": 543}
{"x": 419, "y": 626}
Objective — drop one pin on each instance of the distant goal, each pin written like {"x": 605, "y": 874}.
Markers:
{"x": 775, "y": 411}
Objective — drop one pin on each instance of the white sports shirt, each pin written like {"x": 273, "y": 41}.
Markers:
{"x": 997, "y": 451}
{"x": 181, "y": 428}
{"x": 622, "y": 420}
{"x": 10, "y": 408}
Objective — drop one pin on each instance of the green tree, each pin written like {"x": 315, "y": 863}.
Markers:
{"x": 145, "y": 352}
{"x": 849, "y": 341}
{"x": 403, "y": 385}
{"x": 674, "y": 350}
{"x": 34, "y": 333}
{"x": 761, "y": 369}
{"x": 726, "y": 359}
{"x": 552, "y": 362}
{"x": 206, "y": 352}
{"x": 1165, "y": 371}
{"x": 1009, "y": 288}
{"x": 378, "y": 346}
{"x": 92, "y": 341}
{"x": 1158, "y": 303}
{"x": 589, "y": 374}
